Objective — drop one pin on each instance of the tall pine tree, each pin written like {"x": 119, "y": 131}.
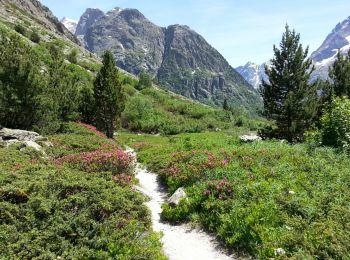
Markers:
{"x": 21, "y": 82}
{"x": 340, "y": 75}
{"x": 109, "y": 99}
{"x": 287, "y": 96}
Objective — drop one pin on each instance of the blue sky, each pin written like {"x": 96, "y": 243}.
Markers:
{"x": 241, "y": 30}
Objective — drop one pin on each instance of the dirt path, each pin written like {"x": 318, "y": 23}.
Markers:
{"x": 179, "y": 242}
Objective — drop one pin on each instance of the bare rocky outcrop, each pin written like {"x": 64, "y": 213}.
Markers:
{"x": 36, "y": 12}
{"x": 25, "y": 139}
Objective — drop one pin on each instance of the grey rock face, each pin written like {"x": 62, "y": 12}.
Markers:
{"x": 136, "y": 42}
{"x": 26, "y": 139}
{"x": 254, "y": 74}
{"x": 16, "y": 134}
{"x": 38, "y": 12}
{"x": 89, "y": 17}
{"x": 180, "y": 59}
{"x": 177, "y": 197}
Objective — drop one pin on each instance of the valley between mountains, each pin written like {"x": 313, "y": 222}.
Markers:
{"x": 122, "y": 139}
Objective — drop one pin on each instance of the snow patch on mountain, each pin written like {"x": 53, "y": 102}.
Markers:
{"x": 70, "y": 24}
{"x": 324, "y": 57}
{"x": 254, "y": 74}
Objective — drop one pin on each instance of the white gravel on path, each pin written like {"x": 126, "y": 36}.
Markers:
{"x": 179, "y": 242}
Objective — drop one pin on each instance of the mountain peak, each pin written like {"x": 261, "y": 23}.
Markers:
{"x": 70, "y": 24}
{"x": 89, "y": 17}
{"x": 179, "y": 58}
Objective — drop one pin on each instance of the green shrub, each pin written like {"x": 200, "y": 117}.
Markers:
{"x": 335, "y": 125}
{"x": 73, "y": 56}
{"x": 35, "y": 37}
{"x": 20, "y": 29}
{"x": 53, "y": 212}
{"x": 145, "y": 81}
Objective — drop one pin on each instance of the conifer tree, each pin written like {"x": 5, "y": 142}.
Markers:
{"x": 109, "y": 99}
{"x": 340, "y": 75}
{"x": 145, "y": 80}
{"x": 21, "y": 83}
{"x": 287, "y": 95}
{"x": 225, "y": 105}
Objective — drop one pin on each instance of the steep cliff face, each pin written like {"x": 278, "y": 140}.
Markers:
{"x": 178, "y": 57}
{"x": 135, "y": 42}
{"x": 193, "y": 68}
{"x": 89, "y": 17}
{"x": 11, "y": 10}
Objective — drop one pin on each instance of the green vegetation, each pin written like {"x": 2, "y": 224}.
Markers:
{"x": 35, "y": 37}
{"x": 289, "y": 100}
{"x": 340, "y": 75}
{"x": 108, "y": 96}
{"x": 73, "y": 56}
{"x": 145, "y": 81}
{"x": 51, "y": 209}
{"x": 256, "y": 197}
{"x": 335, "y": 125}
{"x": 20, "y": 29}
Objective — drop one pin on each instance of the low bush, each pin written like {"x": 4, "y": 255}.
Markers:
{"x": 335, "y": 125}
{"x": 84, "y": 208}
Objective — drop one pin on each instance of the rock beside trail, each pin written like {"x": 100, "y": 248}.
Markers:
{"x": 26, "y": 139}
{"x": 175, "y": 199}
{"x": 249, "y": 138}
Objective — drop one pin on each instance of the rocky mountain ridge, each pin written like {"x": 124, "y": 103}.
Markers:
{"x": 33, "y": 10}
{"x": 325, "y": 55}
{"x": 179, "y": 58}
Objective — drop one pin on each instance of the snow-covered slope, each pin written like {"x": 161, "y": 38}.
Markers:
{"x": 325, "y": 55}
{"x": 253, "y": 73}
{"x": 70, "y": 24}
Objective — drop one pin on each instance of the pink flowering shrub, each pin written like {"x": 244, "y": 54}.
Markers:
{"x": 93, "y": 129}
{"x": 187, "y": 167}
{"x": 219, "y": 189}
{"x": 115, "y": 161}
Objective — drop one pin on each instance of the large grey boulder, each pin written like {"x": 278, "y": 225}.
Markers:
{"x": 175, "y": 199}
{"x": 26, "y": 139}
{"x": 7, "y": 134}
{"x": 31, "y": 144}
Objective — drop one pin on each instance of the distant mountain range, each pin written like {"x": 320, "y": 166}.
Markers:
{"x": 177, "y": 57}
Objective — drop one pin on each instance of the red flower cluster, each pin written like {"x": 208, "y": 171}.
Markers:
{"x": 93, "y": 129}
{"x": 122, "y": 179}
{"x": 220, "y": 189}
{"x": 115, "y": 161}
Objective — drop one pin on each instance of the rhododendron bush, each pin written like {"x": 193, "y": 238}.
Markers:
{"x": 116, "y": 161}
